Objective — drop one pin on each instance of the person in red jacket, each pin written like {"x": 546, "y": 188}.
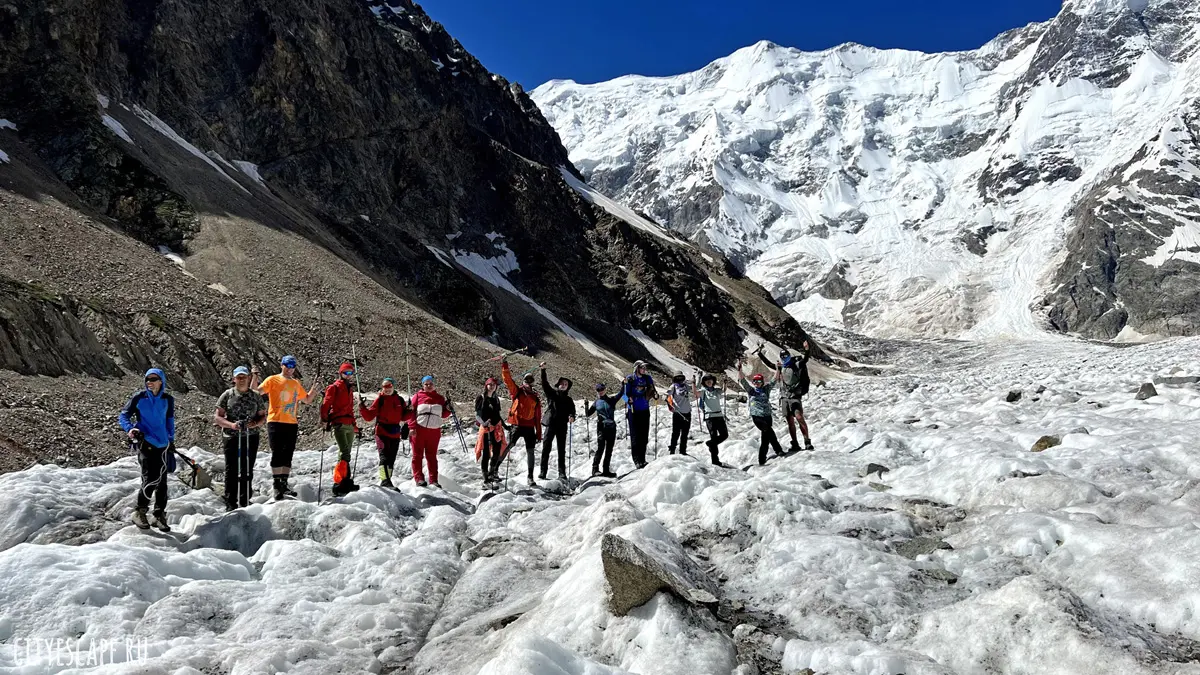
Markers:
{"x": 389, "y": 412}
{"x": 524, "y": 416}
{"x": 425, "y": 417}
{"x": 337, "y": 412}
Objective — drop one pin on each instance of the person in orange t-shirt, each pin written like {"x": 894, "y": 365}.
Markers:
{"x": 284, "y": 394}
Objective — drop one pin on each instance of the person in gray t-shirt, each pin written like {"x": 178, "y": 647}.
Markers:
{"x": 241, "y": 412}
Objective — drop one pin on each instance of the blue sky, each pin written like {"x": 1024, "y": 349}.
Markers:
{"x": 531, "y": 41}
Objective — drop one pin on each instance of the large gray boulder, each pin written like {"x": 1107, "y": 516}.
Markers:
{"x": 637, "y": 570}
{"x": 1147, "y": 391}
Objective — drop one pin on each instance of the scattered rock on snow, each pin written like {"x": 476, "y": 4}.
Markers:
{"x": 1045, "y": 443}
{"x": 1041, "y": 389}
{"x": 1080, "y": 430}
{"x": 875, "y": 468}
{"x": 1013, "y": 396}
{"x": 1147, "y": 391}
{"x": 918, "y": 546}
{"x": 940, "y": 575}
{"x": 1176, "y": 380}
{"x": 635, "y": 574}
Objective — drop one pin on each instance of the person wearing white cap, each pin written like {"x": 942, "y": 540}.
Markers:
{"x": 241, "y": 411}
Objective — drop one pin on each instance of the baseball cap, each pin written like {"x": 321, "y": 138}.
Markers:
{"x": 241, "y": 370}
{"x": 288, "y": 361}
{"x": 427, "y": 378}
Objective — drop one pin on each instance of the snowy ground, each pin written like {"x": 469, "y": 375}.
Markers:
{"x": 971, "y": 555}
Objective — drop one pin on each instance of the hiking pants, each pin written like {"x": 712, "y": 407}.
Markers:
{"x": 530, "y": 436}
{"x": 241, "y": 452}
{"x": 680, "y": 426}
{"x": 388, "y": 449}
{"x": 769, "y": 439}
{"x": 718, "y": 432}
{"x": 639, "y": 435}
{"x": 552, "y": 433}
{"x": 154, "y": 476}
{"x": 425, "y": 447}
{"x": 606, "y": 438}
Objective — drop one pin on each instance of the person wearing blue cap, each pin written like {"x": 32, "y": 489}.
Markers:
{"x": 240, "y": 413}
{"x": 284, "y": 394}
{"x": 427, "y": 411}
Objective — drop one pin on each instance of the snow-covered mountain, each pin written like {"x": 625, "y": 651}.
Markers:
{"x": 1048, "y": 180}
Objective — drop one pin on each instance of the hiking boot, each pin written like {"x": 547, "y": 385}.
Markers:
{"x": 386, "y": 483}
{"x": 608, "y": 474}
{"x": 795, "y": 447}
{"x": 720, "y": 464}
{"x": 159, "y": 518}
{"x": 420, "y": 482}
{"x": 596, "y": 473}
{"x": 280, "y": 495}
{"x": 542, "y": 476}
{"x": 288, "y": 491}
{"x": 531, "y": 482}
{"x": 230, "y": 508}
{"x": 435, "y": 484}
{"x": 139, "y": 519}
{"x": 808, "y": 445}
{"x": 344, "y": 488}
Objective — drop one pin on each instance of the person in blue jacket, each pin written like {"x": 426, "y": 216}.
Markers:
{"x": 638, "y": 392}
{"x": 149, "y": 419}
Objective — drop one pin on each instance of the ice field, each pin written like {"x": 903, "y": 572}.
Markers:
{"x": 963, "y": 551}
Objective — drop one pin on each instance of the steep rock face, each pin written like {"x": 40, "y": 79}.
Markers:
{"x": 895, "y": 192}
{"x": 359, "y": 125}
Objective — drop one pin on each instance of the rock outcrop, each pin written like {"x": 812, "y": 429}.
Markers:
{"x": 639, "y": 567}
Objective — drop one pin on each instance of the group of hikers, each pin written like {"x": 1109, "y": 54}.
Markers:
{"x": 546, "y": 418}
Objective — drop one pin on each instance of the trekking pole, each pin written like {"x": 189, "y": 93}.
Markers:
{"x": 462, "y": 439}
{"x": 241, "y": 481}
{"x": 321, "y": 471}
{"x": 496, "y": 358}
{"x": 408, "y": 367}
{"x": 570, "y": 450}
{"x": 655, "y": 430}
{"x": 507, "y": 465}
{"x": 358, "y": 390}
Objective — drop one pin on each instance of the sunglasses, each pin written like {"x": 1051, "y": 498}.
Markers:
{"x": 153, "y": 379}
{"x": 347, "y": 372}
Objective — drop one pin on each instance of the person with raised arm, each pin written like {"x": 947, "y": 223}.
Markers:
{"x": 758, "y": 393}
{"x": 559, "y": 415}
{"x": 795, "y": 383}
{"x": 638, "y": 392}
{"x": 524, "y": 415}
{"x": 712, "y": 407}
{"x": 284, "y": 393}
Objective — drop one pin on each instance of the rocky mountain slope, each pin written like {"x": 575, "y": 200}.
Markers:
{"x": 196, "y": 184}
{"x": 1048, "y": 180}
